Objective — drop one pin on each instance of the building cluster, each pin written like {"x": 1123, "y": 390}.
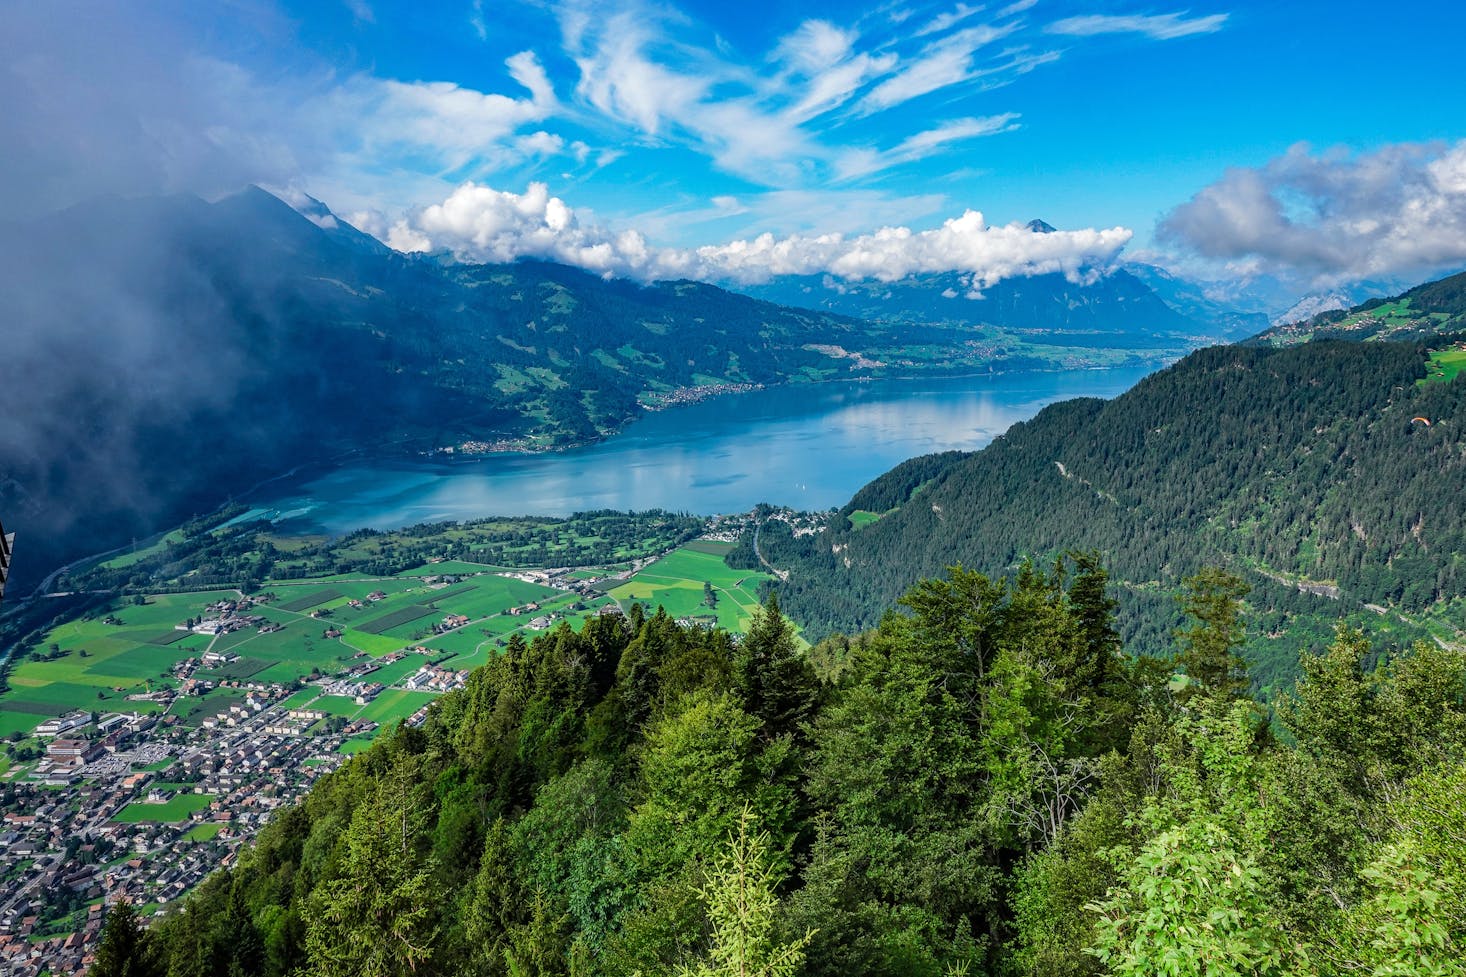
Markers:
{"x": 77, "y": 743}
{"x": 69, "y": 849}
{"x": 433, "y": 678}
{"x": 226, "y": 617}
{"x": 359, "y": 692}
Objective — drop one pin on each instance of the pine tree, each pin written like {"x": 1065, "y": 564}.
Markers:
{"x": 741, "y": 908}
{"x": 126, "y": 949}
{"x": 1213, "y": 599}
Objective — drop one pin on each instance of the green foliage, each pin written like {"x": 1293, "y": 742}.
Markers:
{"x": 1213, "y": 600}
{"x": 741, "y": 907}
{"x": 982, "y": 784}
{"x": 126, "y": 950}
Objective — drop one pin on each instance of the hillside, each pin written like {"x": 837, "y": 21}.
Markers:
{"x": 1433, "y": 309}
{"x": 162, "y": 354}
{"x": 1300, "y": 468}
{"x": 986, "y": 787}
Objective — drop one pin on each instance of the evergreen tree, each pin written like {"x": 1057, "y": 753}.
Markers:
{"x": 126, "y": 949}
{"x": 741, "y": 909}
{"x": 777, "y": 684}
{"x": 1213, "y": 599}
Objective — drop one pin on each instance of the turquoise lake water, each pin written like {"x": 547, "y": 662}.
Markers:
{"x": 809, "y": 447}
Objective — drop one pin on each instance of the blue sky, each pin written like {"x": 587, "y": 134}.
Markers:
{"x": 627, "y": 135}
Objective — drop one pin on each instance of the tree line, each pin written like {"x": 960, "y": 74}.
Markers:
{"x": 985, "y": 783}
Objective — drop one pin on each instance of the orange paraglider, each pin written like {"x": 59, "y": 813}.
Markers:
{"x": 1422, "y": 420}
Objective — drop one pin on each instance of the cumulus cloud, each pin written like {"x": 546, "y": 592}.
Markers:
{"x": 480, "y": 223}
{"x": 1159, "y": 27}
{"x": 1334, "y": 216}
{"x": 451, "y": 123}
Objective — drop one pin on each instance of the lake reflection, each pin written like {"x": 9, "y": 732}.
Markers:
{"x": 807, "y": 447}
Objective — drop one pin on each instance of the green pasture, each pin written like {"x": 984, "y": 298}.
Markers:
{"x": 1445, "y": 365}
{"x": 395, "y": 704}
{"x": 129, "y": 558}
{"x": 204, "y": 832}
{"x": 175, "y": 809}
{"x": 336, "y": 705}
{"x": 304, "y": 603}
{"x": 489, "y": 595}
{"x": 375, "y": 645}
{"x": 96, "y": 657}
{"x": 861, "y": 518}
{"x": 675, "y": 582}
{"x": 354, "y": 745}
{"x": 300, "y": 699}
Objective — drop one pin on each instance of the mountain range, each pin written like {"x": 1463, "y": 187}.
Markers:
{"x": 166, "y": 353}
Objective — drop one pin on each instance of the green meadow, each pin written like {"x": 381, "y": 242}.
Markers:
{"x": 676, "y": 581}
{"x": 1445, "y": 365}
{"x": 175, "y": 809}
{"x": 94, "y": 665}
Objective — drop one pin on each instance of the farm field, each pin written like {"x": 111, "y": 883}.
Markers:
{"x": 394, "y": 704}
{"x": 676, "y": 583}
{"x": 861, "y": 518}
{"x": 93, "y": 665}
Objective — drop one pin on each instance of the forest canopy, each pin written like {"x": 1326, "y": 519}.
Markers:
{"x": 984, "y": 784}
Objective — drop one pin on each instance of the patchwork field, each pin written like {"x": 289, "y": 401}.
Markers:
{"x": 94, "y": 663}
{"x": 677, "y": 582}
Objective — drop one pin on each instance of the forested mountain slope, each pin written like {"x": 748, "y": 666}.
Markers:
{"x": 987, "y": 786}
{"x": 1301, "y": 468}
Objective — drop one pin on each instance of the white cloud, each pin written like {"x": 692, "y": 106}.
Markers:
{"x": 858, "y": 163}
{"x": 479, "y": 223}
{"x": 941, "y": 64}
{"x": 438, "y": 122}
{"x": 947, "y": 20}
{"x": 1016, "y": 7}
{"x": 1335, "y": 216}
{"x": 1160, "y": 27}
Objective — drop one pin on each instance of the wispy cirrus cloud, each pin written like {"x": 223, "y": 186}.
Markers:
{"x": 1159, "y": 27}
{"x": 942, "y": 64}
{"x": 799, "y": 125}
{"x": 856, "y": 163}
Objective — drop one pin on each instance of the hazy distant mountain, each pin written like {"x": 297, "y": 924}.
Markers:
{"x": 1200, "y": 301}
{"x": 1432, "y": 309}
{"x": 1114, "y": 311}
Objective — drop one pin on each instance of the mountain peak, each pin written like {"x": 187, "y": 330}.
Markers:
{"x": 1040, "y": 227}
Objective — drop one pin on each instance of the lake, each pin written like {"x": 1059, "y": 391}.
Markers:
{"x": 808, "y": 447}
